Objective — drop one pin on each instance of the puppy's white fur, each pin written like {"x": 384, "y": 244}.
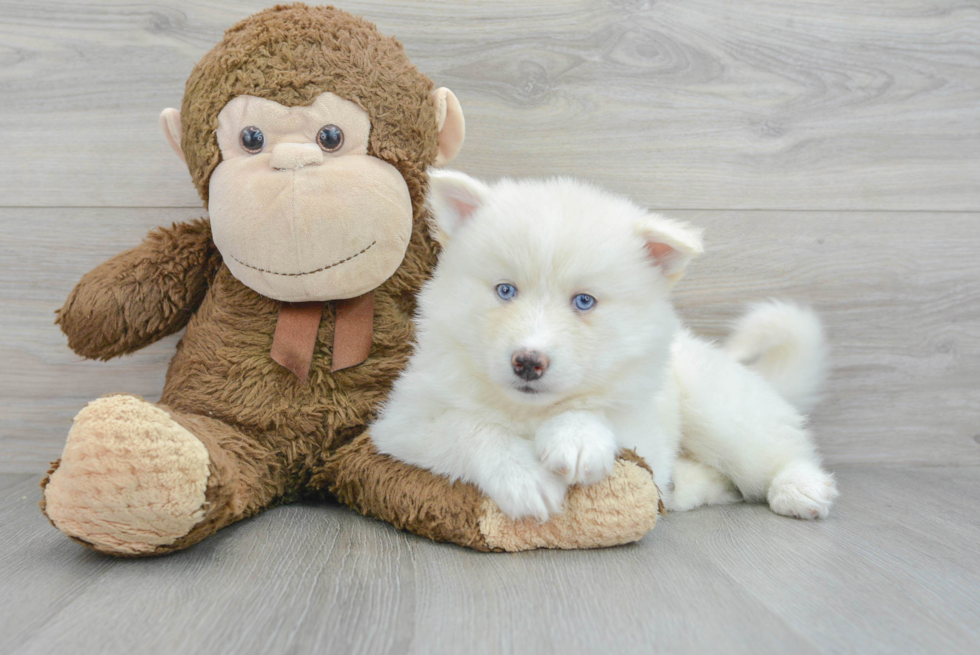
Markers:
{"x": 624, "y": 374}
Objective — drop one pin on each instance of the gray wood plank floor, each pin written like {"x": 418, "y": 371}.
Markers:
{"x": 894, "y": 570}
{"x": 832, "y": 150}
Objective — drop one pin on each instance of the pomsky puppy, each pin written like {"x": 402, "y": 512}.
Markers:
{"x": 547, "y": 342}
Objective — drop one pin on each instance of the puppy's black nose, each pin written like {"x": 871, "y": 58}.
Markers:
{"x": 529, "y": 364}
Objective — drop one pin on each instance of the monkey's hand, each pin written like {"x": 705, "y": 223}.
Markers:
{"x": 141, "y": 295}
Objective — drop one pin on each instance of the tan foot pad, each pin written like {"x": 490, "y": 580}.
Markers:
{"x": 619, "y": 510}
{"x": 130, "y": 479}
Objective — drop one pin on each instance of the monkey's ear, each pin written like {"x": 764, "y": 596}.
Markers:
{"x": 452, "y": 126}
{"x": 670, "y": 244}
{"x": 170, "y": 122}
{"x": 454, "y": 197}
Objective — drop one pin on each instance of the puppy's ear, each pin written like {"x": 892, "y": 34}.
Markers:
{"x": 454, "y": 198}
{"x": 670, "y": 244}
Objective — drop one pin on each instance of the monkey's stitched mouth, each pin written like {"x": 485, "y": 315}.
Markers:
{"x": 319, "y": 270}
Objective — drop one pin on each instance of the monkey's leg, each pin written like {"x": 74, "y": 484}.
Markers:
{"x": 139, "y": 479}
{"x": 618, "y": 510}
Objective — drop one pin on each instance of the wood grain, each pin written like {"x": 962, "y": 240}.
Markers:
{"x": 831, "y": 104}
{"x": 893, "y": 570}
{"x": 871, "y": 578}
{"x": 899, "y": 292}
{"x": 321, "y": 579}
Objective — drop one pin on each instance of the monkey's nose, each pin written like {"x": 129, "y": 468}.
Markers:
{"x": 289, "y": 156}
{"x": 529, "y": 365}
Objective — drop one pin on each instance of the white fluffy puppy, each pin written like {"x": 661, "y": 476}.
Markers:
{"x": 547, "y": 342}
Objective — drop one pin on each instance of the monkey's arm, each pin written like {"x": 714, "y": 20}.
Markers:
{"x": 141, "y": 295}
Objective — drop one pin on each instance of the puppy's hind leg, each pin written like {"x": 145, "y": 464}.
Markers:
{"x": 696, "y": 484}
{"x": 802, "y": 490}
{"x": 736, "y": 422}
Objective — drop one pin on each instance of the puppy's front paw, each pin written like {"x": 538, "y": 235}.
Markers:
{"x": 803, "y": 491}
{"x": 579, "y": 447}
{"x": 528, "y": 491}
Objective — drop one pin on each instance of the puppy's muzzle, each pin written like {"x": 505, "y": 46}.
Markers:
{"x": 529, "y": 365}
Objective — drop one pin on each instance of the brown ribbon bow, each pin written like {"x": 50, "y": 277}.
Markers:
{"x": 297, "y": 326}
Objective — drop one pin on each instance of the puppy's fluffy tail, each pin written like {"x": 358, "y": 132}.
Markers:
{"x": 785, "y": 343}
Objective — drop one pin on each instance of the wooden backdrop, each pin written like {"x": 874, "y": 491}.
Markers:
{"x": 830, "y": 147}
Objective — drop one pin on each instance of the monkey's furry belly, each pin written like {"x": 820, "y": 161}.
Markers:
{"x": 222, "y": 369}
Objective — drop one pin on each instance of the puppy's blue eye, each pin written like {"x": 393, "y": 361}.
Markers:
{"x": 506, "y": 291}
{"x": 583, "y": 302}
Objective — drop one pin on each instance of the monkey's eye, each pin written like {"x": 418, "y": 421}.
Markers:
{"x": 330, "y": 138}
{"x": 252, "y": 139}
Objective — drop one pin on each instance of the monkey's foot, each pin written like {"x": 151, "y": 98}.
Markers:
{"x": 130, "y": 478}
{"x": 620, "y": 509}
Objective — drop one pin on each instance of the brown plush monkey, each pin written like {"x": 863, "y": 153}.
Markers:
{"x": 307, "y": 134}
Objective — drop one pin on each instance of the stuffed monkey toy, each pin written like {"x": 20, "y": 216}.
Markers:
{"x": 308, "y": 135}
